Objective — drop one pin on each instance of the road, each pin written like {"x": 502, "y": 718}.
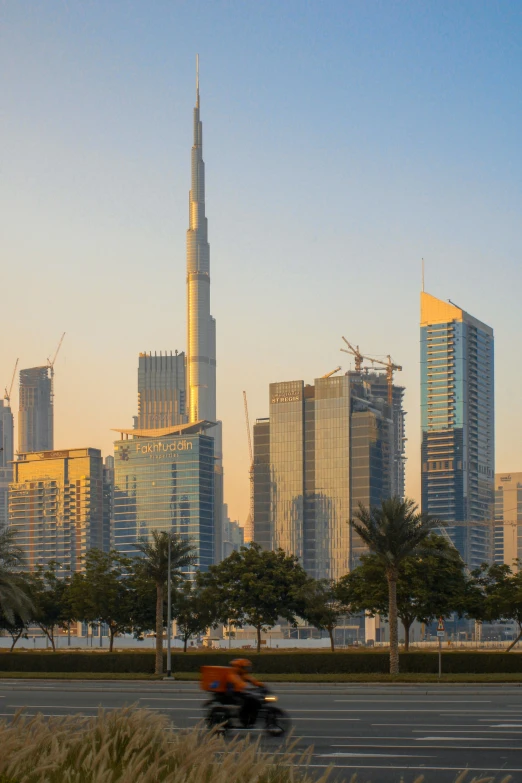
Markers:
{"x": 380, "y": 732}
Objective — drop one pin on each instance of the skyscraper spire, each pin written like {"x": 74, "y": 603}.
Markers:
{"x": 201, "y": 327}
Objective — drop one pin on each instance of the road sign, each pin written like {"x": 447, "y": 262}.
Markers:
{"x": 440, "y": 626}
{"x": 440, "y": 634}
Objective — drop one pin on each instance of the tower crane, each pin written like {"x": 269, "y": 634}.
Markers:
{"x": 390, "y": 366}
{"x": 355, "y": 352}
{"x": 50, "y": 364}
{"x": 332, "y": 372}
{"x": 7, "y": 395}
{"x": 249, "y": 533}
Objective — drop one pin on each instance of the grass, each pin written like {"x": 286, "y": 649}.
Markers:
{"x": 130, "y": 744}
{"x": 297, "y": 678}
{"x": 138, "y": 745}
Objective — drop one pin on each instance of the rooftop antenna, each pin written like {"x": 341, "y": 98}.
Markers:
{"x": 197, "y": 79}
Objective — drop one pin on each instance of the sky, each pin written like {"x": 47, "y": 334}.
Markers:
{"x": 343, "y": 142}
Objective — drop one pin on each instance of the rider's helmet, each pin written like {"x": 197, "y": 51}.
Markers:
{"x": 241, "y": 665}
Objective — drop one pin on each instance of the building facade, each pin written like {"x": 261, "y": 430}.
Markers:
{"x": 458, "y": 428}
{"x": 233, "y": 534}
{"x": 161, "y": 390}
{"x": 6, "y": 457}
{"x": 56, "y": 506}
{"x": 323, "y": 449}
{"x": 164, "y": 481}
{"x": 508, "y": 519}
{"x": 36, "y": 412}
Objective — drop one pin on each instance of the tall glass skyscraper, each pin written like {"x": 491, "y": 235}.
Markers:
{"x": 458, "y": 426}
{"x": 324, "y": 449}
{"x": 6, "y": 456}
{"x": 36, "y": 413}
{"x": 164, "y": 480}
{"x": 161, "y": 390}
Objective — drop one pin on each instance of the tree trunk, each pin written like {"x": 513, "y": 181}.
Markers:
{"x": 407, "y": 626}
{"x": 185, "y": 642}
{"x": 15, "y": 638}
{"x": 159, "y": 629}
{"x": 519, "y": 637}
{"x": 392, "y": 617}
{"x": 330, "y": 634}
{"x": 112, "y": 634}
{"x": 258, "y": 629}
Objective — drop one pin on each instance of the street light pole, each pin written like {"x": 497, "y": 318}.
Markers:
{"x": 169, "y": 617}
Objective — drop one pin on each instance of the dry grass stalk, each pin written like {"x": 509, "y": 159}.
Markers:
{"x": 131, "y": 745}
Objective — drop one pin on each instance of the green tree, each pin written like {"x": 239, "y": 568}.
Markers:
{"x": 323, "y": 605}
{"x": 14, "y": 598}
{"x": 501, "y": 589}
{"x": 101, "y": 593}
{"x": 430, "y": 585}
{"x": 49, "y": 596}
{"x": 256, "y": 587}
{"x": 154, "y": 566}
{"x": 16, "y": 627}
{"x": 194, "y": 610}
{"x": 394, "y": 531}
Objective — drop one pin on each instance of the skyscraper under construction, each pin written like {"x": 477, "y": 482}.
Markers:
{"x": 36, "y": 410}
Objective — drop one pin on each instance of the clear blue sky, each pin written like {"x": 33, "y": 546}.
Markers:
{"x": 343, "y": 141}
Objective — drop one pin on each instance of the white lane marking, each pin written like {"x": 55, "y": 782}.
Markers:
{"x": 161, "y": 698}
{"x": 467, "y": 731}
{"x": 373, "y": 756}
{"x": 422, "y": 701}
{"x": 506, "y": 725}
{"x": 354, "y": 744}
{"x": 97, "y": 707}
{"x": 423, "y": 768}
{"x": 498, "y": 738}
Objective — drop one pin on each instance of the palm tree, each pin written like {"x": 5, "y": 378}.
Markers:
{"x": 393, "y": 532}
{"x": 14, "y": 599}
{"x": 154, "y": 566}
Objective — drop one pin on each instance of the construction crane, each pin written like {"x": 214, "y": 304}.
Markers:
{"x": 50, "y": 364}
{"x": 360, "y": 358}
{"x": 7, "y": 395}
{"x": 355, "y": 352}
{"x": 332, "y": 372}
{"x": 249, "y": 532}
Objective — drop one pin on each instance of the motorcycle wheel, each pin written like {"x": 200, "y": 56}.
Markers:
{"x": 277, "y": 722}
{"x": 217, "y": 719}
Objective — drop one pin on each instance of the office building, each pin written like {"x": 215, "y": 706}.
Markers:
{"x": 233, "y": 534}
{"x": 35, "y": 414}
{"x": 161, "y": 390}
{"x": 458, "y": 428}
{"x": 164, "y": 481}
{"x": 6, "y": 456}
{"x": 508, "y": 519}
{"x": 108, "y": 503}
{"x": 56, "y": 506}
{"x": 323, "y": 449}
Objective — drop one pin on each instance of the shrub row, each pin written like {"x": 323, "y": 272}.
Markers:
{"x": 267, "y": 662}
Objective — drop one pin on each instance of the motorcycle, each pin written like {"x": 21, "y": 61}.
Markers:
{"x": 224, "y": 715}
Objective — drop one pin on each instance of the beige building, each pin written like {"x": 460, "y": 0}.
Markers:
{"x": 56, "y": 506}
{"x": 508, "y": 517}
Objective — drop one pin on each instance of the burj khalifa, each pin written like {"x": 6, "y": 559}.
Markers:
{"x": 201, "y": 326}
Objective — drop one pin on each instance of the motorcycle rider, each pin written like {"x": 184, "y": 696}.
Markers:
{"x": 239, "y": 684}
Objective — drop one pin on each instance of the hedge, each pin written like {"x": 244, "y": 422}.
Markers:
{"x": 267, "y": 662}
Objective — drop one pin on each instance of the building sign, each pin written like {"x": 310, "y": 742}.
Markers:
{"x": 157, "y": 447}
{"x": 292, "y": 397}
{"x": 53, "y": 454}
{"x": 505, "y": 478}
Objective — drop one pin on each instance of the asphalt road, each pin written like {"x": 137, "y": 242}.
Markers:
{"x": 381, "y": 732}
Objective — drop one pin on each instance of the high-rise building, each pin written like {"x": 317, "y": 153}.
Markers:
{"x": 161, "y": 390}
{"x": 108, "y": 503}
{"x": 201, "y": 326}
{"x": 164, "y": 480}
{"x": 458, "y": 426}
{"x": 35, "y": 414}
{"x": 6, "y": 457}
{"x": 508, "y": 519}
{"x": 233, "y": 534}
{"x": 324, "y": 449}
{"x": 56, "y": 506}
